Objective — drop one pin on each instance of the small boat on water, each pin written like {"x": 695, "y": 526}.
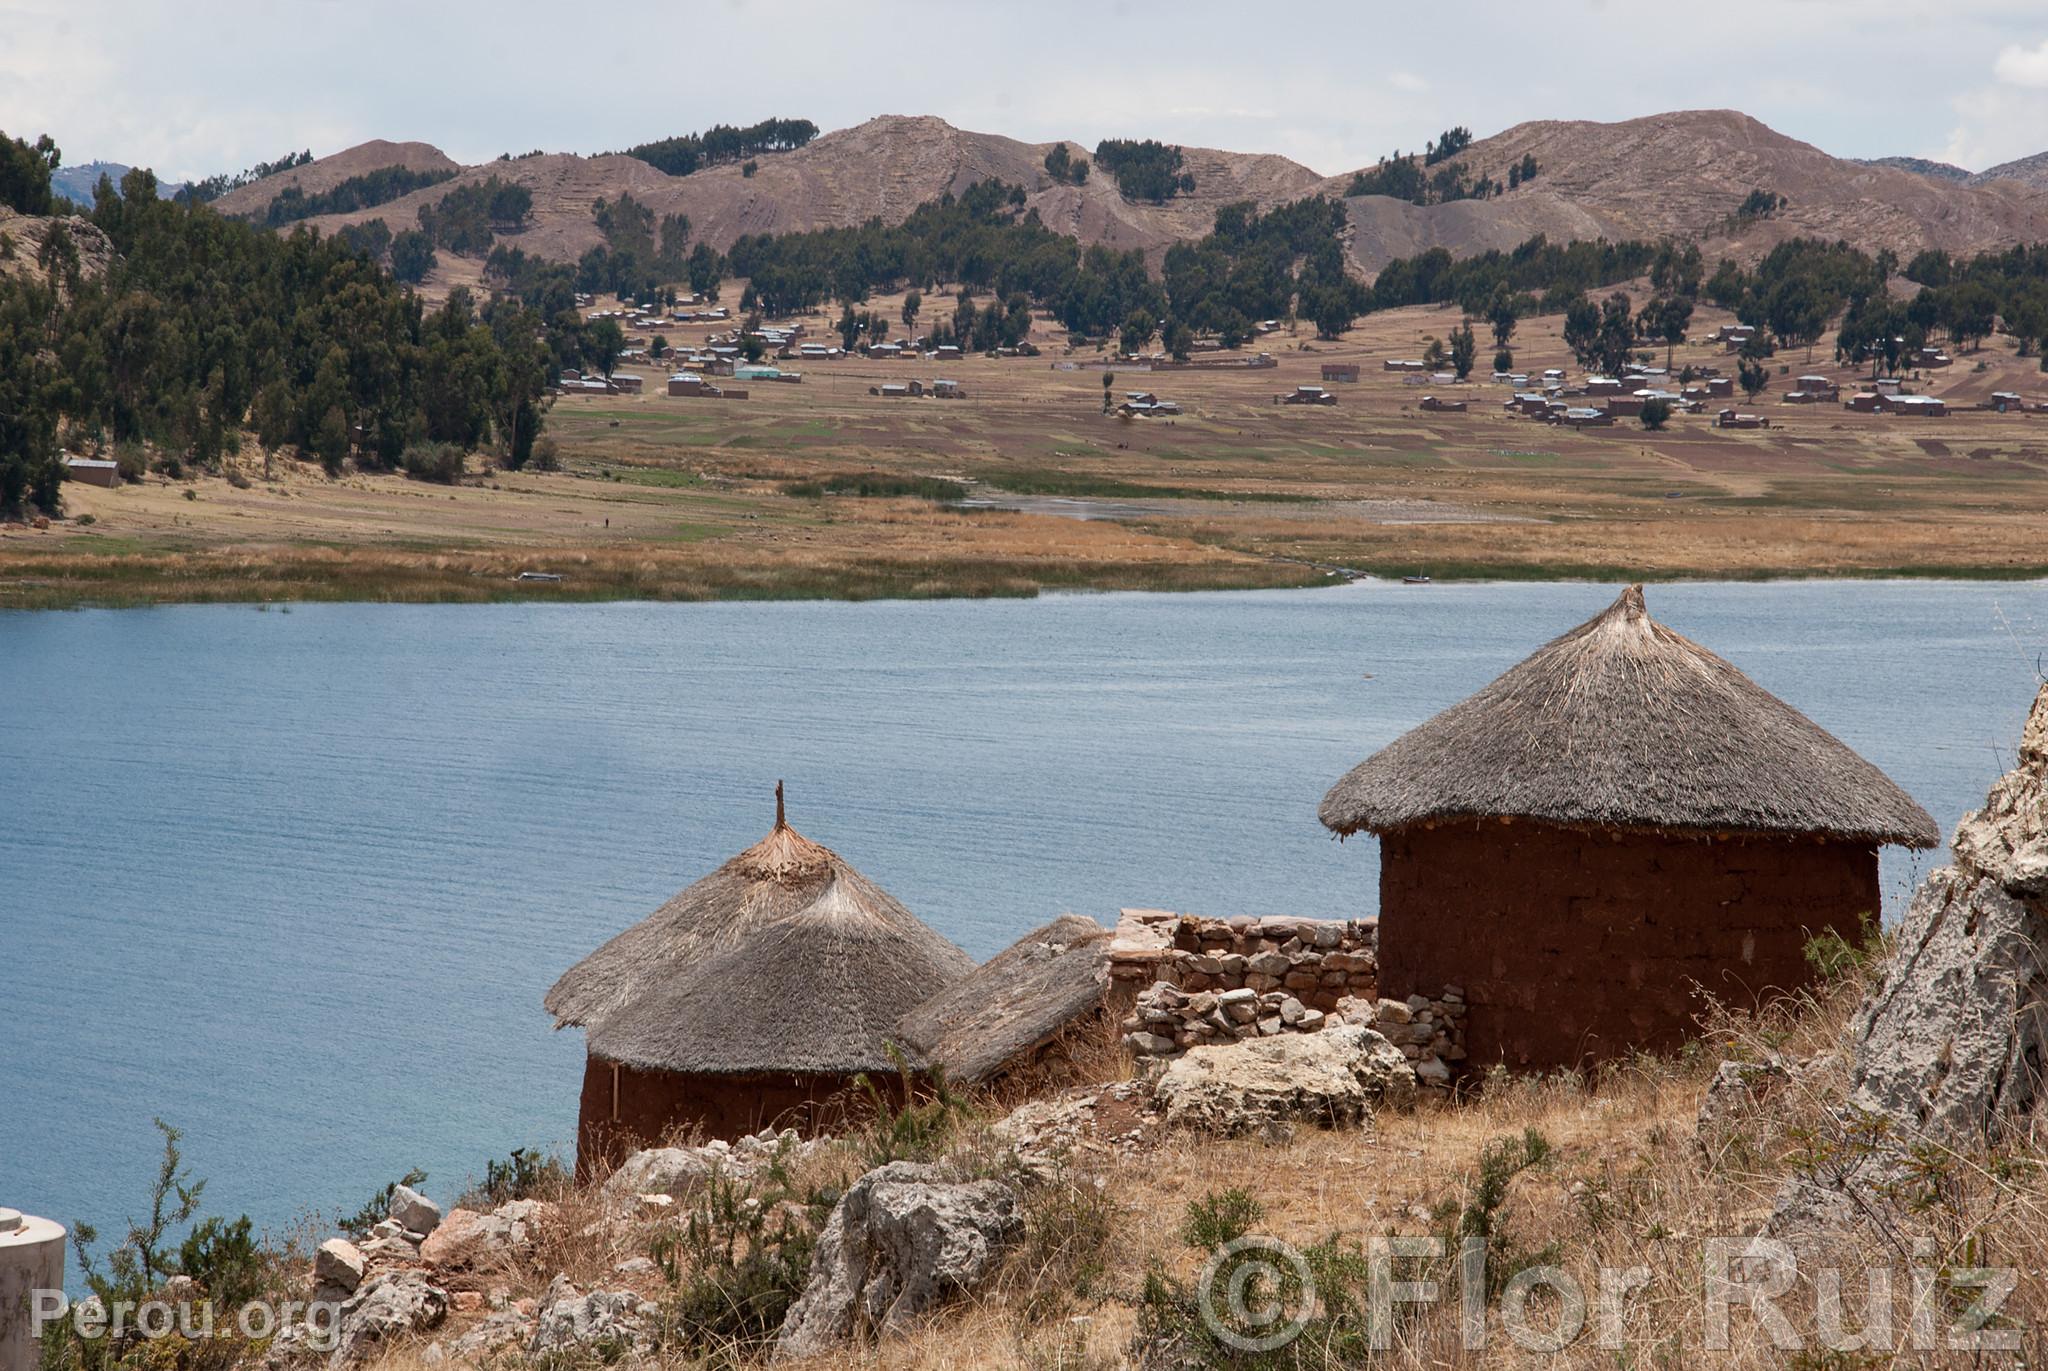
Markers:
{"x": 1415, "y": 580}
{"x": 549, "y": 576}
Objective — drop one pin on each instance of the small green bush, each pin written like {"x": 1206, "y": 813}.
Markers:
{"x": 439, "y": 462}
{"x": 525, "y": 1175}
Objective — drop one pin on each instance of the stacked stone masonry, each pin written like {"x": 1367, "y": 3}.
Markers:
{"x": 1185, "y": 981}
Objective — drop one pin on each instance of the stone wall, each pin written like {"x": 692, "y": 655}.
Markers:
{"x": 1187, "y": 981}
{"x": 1318, "y": 961}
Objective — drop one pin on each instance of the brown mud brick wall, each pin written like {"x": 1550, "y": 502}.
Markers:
{"x": 1575, "y": 946}
{"x": 652, "y": 1104}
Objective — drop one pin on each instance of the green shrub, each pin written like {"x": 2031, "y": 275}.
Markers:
{"x": 741, "y": 1259}
{"x": 524, "y": 1175}
{"x": 378, "y": 1206}
{"x": 918, "y": 1130}
{"x": 441, "y": 462}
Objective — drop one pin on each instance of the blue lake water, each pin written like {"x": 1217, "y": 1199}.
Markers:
{"x": 296, "y": 881}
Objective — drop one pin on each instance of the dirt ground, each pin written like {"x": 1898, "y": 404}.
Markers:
{"x": 685, "y": 498}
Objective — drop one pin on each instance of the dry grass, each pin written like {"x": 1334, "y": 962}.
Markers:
{"x": 683, "y": 499}
{"x": 1627, "y": 1183}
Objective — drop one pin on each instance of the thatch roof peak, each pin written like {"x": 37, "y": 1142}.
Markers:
{"x": 784, "y": 959}
{"x": 1623, "y": 723}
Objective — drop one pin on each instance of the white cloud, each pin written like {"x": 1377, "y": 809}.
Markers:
{"x": 2018, "y": 66}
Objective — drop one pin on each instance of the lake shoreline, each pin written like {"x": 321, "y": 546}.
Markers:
{"x": 63, "y": 580}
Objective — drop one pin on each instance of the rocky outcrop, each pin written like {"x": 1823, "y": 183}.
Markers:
{"x": 1952, "y": 1046}
{"x": 1334, "y": 1078}
{"x": 385, "y": 1309}
{"x": 904, "y": 1239}
{"x": 467, "y": 1238}
{"x": 675, "y": 1170}
{"x": 606, "y": 1324}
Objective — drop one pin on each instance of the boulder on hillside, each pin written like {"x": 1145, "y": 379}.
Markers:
{"x": 466, "y": 1238}
{"x": 1334, "y": 1078}
{"x": 902, "y": 1240}
{"x": 1951, "y": 1046}
{"x": 412, "y": 1211}
{"x": 385, "y": 1309}
{"x": 338, "y": 1269}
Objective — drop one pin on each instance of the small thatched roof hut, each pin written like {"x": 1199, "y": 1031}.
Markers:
{"x": 1621, "y": 815}
{"x": 1012, "y": 1020}
{"x": 754, "y": 995}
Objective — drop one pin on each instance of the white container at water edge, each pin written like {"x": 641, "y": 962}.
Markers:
{"x": 31, "y": 1260}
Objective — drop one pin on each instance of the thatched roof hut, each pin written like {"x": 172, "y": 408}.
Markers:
{"x": 1616, "y": 822}
{"x": 1624, "y": 724}
{"x": 781, "y": 975}
{"x": 1002, "y": 1019}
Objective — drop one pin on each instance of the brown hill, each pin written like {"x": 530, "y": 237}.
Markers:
{"x": 1680, "y": 174}
{"x": 2029, "y": 171}
{"x": 883, "y": 169}
{"x": 1683, "y": 175}
{"x": 328, "y": 172}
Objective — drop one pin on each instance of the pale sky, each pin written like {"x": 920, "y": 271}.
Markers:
{"x": 215, "y": 85}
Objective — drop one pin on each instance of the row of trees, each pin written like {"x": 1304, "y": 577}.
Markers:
{"x": 358, "y": 192}
{"x": 204, "y": 326}
{"x": 682, "y": 155}
{"x": 1404, "y": 176}
{"x": 213, "y": 187}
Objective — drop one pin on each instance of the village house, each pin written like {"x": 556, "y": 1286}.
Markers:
{"x": 1729, "y": 418}
{"x": 942, "y": 389}
{"x": 1582, "y": 416}
{"x": 1436, "y": 406}
{"x": 1336, "y": 372}
{"x": 628, "y": 383}
{"x": 1720, "y": 387}
{"x": 1917, "y": 406}
{"x": 1306, "y": 395}
{"x": 751, "y": 999}
{"x": 1865, "y": 402}
{"x": 1619, "y": 819}
{"x": 93, "y": 471}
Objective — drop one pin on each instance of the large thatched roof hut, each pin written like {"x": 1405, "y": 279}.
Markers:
{"x": 1018, "y": 1020}
{"x": 753, "y": 997}
{"x": 1620, "y": 817}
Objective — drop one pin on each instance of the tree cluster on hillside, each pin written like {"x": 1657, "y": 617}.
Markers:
{"x": 1559, "y": 270}
{"x": 1064, "y": 167}
{"x": 25, "y": 173}
{"x": 1454, "y": 141}
{"x": 203, "y": 326}
{"x": 468, "y": 219}
{"x": 213, "y": 187}
{"x": 720, "y": 143}
{"x": 371, "y": 188}
{"x": 640, "y": 255}
{"x": 1145, "y": 169}
{"x": 1252, "y": 266}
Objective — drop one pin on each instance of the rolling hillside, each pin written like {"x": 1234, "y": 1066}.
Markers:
{"x": 1680, "y": 174}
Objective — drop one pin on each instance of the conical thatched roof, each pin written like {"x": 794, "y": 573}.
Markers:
{"x": 785, "y": 959}
{"x": 1624, "y": 724}
{"x": 1015, "y": 1003}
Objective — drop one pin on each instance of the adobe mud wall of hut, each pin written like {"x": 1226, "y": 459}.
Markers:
{"x": 1573, "y": 947}
{"x": 652, "y": 1105}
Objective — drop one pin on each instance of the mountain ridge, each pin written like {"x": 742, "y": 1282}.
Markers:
{"x": 1678, "y": 174}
